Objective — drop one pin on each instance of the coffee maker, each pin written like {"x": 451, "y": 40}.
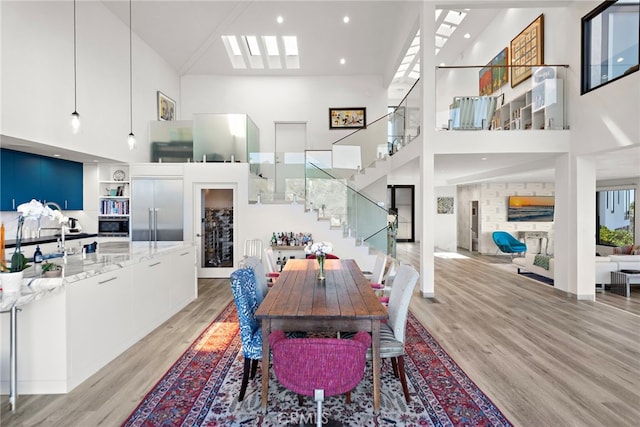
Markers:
{"x": 74, "y": 225}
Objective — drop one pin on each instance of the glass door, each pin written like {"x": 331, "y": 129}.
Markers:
{"x": 215, "y": 231}
{"x": 400, "y": 199}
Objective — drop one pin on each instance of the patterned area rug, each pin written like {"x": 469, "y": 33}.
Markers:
{"x": 201, "y": 389}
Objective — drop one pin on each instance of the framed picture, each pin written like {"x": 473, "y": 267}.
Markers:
{"x": 499, "y": 69}
{"x": 166, "y": 108}
{"x": 347, "y": 118}
{"x": 495, "y": 74}
{"x": 445, "y": 205}
{"x": 527, "y": 49}
{"x": 485, "y": 80}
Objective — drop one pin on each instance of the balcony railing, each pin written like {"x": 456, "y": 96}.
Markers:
{"x": 481, "y": 98}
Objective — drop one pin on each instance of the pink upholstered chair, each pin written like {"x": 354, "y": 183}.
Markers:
{"x": 377, "y": 274}
{"x": 319, "y": 366}
{"x": 273, "y": 273}
{"x": 328, "y": 256}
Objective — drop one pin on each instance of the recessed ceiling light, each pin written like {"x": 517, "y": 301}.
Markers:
{"x": 467, "y": 36}
{"x": 620, "y": 59}
{"x": 343, "y": 61}
{"x": 483, "y": 158}
{"x": 56, "y": 155}
{"x": 442, "y": 64}
{"x": 280, "y": 19}
{"x": 345, "y": 19}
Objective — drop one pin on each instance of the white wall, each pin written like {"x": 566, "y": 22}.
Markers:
{"x": 445, "y": 229}
{"x": 280, "y": 99}
{"x": 602, "y": 120}
{"x": 38, "y": 87}
{"x": 606, "y": 118}
{"x": 465, "y": 195}
{"x": 409, "y": 174}
{"x": 492, "y": 215}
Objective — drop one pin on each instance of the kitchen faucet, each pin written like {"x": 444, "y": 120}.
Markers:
{"x": 62, "y": 225}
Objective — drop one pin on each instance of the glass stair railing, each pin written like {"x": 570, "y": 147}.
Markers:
{"x": 321, "y": 178}
{"x": 385, "y": 136}
{"x": 358, "y": 215}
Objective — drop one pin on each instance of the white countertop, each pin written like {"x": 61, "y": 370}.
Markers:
{"x": 109, "y": 256}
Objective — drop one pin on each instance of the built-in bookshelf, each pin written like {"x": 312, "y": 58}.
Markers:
{"x": 114, "y": 189}
{"x": 541, "y": 107}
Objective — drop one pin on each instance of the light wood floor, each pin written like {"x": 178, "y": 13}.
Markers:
{"x": 544, "y": 359}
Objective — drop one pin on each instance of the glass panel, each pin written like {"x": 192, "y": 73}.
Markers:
{"x": 219, "y": 137}
{"x": 404, "y": 206}
{"x": 171, "y": 141}
{"x": 217, "y": 228}
{"x": 359, "y": 216}
{"x": 538, "y": 103}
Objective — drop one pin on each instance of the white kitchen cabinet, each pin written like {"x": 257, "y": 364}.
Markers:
{"x": 183, "y": 283}
{"x": 100, "y": 316}
{"x": 150, "y": 294}
{"x": 68, "y": 335}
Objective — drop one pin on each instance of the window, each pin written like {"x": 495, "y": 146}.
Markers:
{"x": 610, "y": 47}
{"x": 615, "y": 220}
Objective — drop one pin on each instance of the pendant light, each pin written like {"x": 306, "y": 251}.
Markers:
{"x": 75, "y": 117}
{"x": 132, "y": 138}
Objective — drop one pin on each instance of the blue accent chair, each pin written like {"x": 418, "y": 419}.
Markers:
{"x": 244, "y": 287}
{"x": 508, "y": 244}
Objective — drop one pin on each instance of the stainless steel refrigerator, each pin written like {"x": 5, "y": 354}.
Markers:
{"x": 157, "y": 209}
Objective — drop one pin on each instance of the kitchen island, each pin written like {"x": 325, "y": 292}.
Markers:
{"x": 105, "y": 302}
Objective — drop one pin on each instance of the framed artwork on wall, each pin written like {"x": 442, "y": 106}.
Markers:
{"x": 166, "y": 108}
{"x": 499, "y": 69}
{"x": 347, "y": 118}
{"x": 485, "y": 80}
{"x": 445, "y": 205}
{"x": 527, "y": 49}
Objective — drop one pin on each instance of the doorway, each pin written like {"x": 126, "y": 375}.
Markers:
{"x": 401, "y": 199}
{"x": 473, "y": 226}
{"x": 214, "y": 230}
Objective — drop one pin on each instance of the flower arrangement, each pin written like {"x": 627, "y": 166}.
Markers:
{"x": 31, "y": 210}
{"x": 319, "y": 249}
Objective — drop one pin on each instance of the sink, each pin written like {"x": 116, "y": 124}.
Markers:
{"x": 49, "y": 256}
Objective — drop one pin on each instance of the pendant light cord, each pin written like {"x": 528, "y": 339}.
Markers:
{"x": 75, "y": 65}
{"x": 130, "y": 73}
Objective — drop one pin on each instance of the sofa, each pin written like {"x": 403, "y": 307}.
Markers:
{"x": 606, "y": 264}
{"x": 541, "y": 265}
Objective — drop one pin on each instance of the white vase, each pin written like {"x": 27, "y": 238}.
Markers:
{"x": 11, "y": 282}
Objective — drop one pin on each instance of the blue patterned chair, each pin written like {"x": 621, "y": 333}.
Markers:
{"x": 243, "y": 285}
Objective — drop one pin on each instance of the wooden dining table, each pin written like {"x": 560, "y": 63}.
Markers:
{"x": 343, "y": 301}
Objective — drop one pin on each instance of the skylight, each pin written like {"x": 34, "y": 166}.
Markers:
{"x": 447, "y": 22}
{"x": 290, "y": 45}
{"x": 256, "y": 52}
{"x": 252, "y": 44}
{"x": 271, "y": 44}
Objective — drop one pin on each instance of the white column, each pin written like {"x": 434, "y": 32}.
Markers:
{"x": 575, "y": 226}
{"x": 427, "y": 79}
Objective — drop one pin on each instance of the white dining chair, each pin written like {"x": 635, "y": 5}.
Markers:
{"x": 392, "y": 333}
